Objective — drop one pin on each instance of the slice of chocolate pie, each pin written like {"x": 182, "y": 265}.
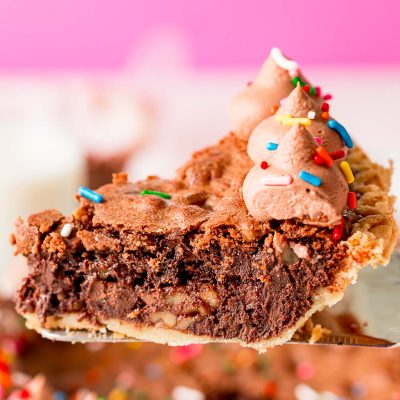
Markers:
{"x": 253, "y": 236}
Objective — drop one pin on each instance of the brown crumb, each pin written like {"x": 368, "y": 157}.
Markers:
{"x": 120, "y": 178}
{"x": 54, "y": 243}
{"x": 317, "y": 333}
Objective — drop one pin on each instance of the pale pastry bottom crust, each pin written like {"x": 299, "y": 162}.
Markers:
{"x": 371, "y": 242}
{"x": 162, "y": 335}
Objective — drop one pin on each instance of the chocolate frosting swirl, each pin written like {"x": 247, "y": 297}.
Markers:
{"x": 254, "y": 103}
{"x": 298, "y": 104}
{"x": 296, "y": 198}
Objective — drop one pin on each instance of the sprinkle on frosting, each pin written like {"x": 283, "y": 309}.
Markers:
{"x": 281, "y": 117}
{"x": 155, "y": 193}
{"x": 282, "y": 61}
{"x": 283, "y": 180}
{"x": 337, "y": 155}
{"x": 318, "y": 159}
{"x": 325, "y": 107}
{"x": 341, "y": 130}
{"x": 263, "y": 165}
{"x": 324, "y": 155}
{"x": 271, "y": 146}
{"x": 310, "y": 178}
{"x": 294, "y": 121}
{"x": 255, "y": 102}
{"x": 298, "y": 105}
{"x": 352, "y": 200}
{"x": 318, "y": 140}
{"x": 90, "y": 194}
{"x": 311, "y": 114}
{"x": 325, "y": 115}
{"x": 338, "y": 230}
{"x": 274, "y": 109}
{"x": 296, "y": 80}
{"x": 294, "y": 186}
{"x": 348, "y": 173}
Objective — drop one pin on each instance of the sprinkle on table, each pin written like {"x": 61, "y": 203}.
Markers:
{"x": 310, "y": 178}
{"x": 90, "y": 194}
{"x": 283, "y": 180}
{"x": 341, "y": 130}
{"x": 321, "y": 151}
{"x": 294, "y": 121}
{"x": 337, "y": 155}
{"x": 338, "y": 231}
{"x": 327, "y": 97}
{"x": 347, "y": 172}
{"x": 66, "y": 230}
{"x": 352, "y": 200}
{"x": 155, "y": 193}
{"x": 271, "y": 146}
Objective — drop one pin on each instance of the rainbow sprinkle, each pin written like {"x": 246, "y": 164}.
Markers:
{"x": 294, "y": 121}
{"x": 321, "y": 151}
{"x": 66, "y": 230}
{"x": 311, "y": 115}
{"x": 155, "y": 193}
{"x": 318, "y": 159}
{"x": 341, "y": 130}
{"x": 347, "y": 172}
{"x": 271, "y": 146}
{"x": 90, "y": 194}
{"x": 338, "y": 154}
{"x": 338, "y": 231}
{"x": 318, "y": 140}
{"x": 282, "y": 61}
{"x": 283, "y": 180}
{"x": 281, "y": 117}
{"x": 310, "y": 178}
{"x": 264, "y": 165}
{"x": 274, "y": 109}
{"x": 325, "y": 107}
{"x": 352, "y": 200}
{"x": 297, "y": 80}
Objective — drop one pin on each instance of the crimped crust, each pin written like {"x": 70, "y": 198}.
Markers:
{"x": 371, "y": 242}
{"x": 374, "y": 236}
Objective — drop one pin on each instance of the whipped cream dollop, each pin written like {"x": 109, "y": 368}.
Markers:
{"x": 281, "y": 189}
{"x": 255, "y": 102}
{"x": 298, "y": 105}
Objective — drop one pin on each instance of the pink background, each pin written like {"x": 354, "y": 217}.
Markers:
{"x": 97, "y": 34}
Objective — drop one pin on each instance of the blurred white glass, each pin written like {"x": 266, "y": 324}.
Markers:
{"x": 40, "y": 162}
